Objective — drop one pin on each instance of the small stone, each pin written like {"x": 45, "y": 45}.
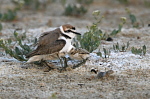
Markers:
{"x": 138, "y": 37}
{"x": 101, "y": 75}
{"x": 104, "y": 74}
{"x": 81, "y": 84}
{"x": 94, "y": 70}
{"x": 109, "y": 39}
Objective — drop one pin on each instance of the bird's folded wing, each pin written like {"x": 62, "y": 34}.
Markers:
{"x": 48, "y": 37}
{"x": 48, "y": 49}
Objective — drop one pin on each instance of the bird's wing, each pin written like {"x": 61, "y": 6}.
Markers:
{"x": 48, "y": 37}
{"x": 48, "y": 49}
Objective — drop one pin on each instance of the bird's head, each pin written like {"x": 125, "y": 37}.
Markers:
{"x": 69, "y": 30}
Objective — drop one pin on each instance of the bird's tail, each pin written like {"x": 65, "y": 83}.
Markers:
{"x": 31, "y": 54}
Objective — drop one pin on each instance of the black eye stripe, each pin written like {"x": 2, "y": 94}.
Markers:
{"x": 68, "y": 31}
{"x": 73, "y": 28}
{"x": 66, "y": 36}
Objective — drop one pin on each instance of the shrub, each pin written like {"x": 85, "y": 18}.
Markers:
{"x": 85, "y": 2}
{"x": 1, "y": 27}
{"x": 123, "y": 1}
{"x": 133, "y": 19}
{"x": 139, "y": 51}
{"x": 31, "y": 4}
{"x": 10, "y": 15}
{"x": 91, "y": 39}
{"x": 121, "y": 48}
{"x": 147, "y": 3}
{"x": 16, "y": 47}
{"x": 115, "y": 32}
{"x": 106, "y": 53}
{"x": 75, "y": 10}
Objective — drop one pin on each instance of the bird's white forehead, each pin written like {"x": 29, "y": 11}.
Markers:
{"x": 61, "y": 29}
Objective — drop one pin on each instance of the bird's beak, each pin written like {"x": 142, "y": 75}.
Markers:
{"x": 76, "y": 33}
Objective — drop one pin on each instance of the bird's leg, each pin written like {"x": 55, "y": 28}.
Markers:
{"x": 65, "y": 63}
{"x": 79, "y": 64}
{"x": 72, "y": 62}
{"x": 70, "y": 59}
{"x": 48, "y": 67}
{"x": 60, "y": 60}
{"x": 62, "y": 64}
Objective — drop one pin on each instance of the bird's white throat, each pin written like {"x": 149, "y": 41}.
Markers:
{"x": 68, "y": 46}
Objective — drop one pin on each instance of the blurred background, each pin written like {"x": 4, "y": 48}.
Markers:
{"x": 53, "y": 13}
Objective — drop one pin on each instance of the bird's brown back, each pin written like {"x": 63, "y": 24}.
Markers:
{"x": 49, "y": 37}
{"x": 45, "y": 43}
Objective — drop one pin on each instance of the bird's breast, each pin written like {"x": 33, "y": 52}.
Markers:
{"x": 67, "y": 47}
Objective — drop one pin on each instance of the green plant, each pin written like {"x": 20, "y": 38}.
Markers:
{"x": 75, "y": 10}
{"x": 16, "y": 47}
{"x": 115, "y": 32}
{"x": 147, "y": 3}
{"x": 133, "y": 19}
{"x": 1, "y": 27}
{"x": 106, "y": 53}
{"x": 121, "y": 48}
{"x": 91, "y": 39}
{"x": 99, "y": 53}
{"x": 85, "y": 2}
{"x": 10, "y": 15}
{"x": 30, "y": 4}
{"x": 139, "y": 51}
{"x": 123, "y": 1}
{"x": 63, "y": 2}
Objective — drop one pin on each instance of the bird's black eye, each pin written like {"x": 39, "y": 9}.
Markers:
{"x": 68, "y": 31}
{"x": 73, "y": 28}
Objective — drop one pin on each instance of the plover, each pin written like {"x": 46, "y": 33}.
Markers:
{"x": 79, "y": 54}
{"x": 52, "y": 43}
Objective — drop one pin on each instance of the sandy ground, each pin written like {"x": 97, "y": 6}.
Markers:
{"x": 131, "y": 76}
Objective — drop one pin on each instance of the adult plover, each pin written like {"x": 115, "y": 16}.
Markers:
{"x": 53, "y": 42}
